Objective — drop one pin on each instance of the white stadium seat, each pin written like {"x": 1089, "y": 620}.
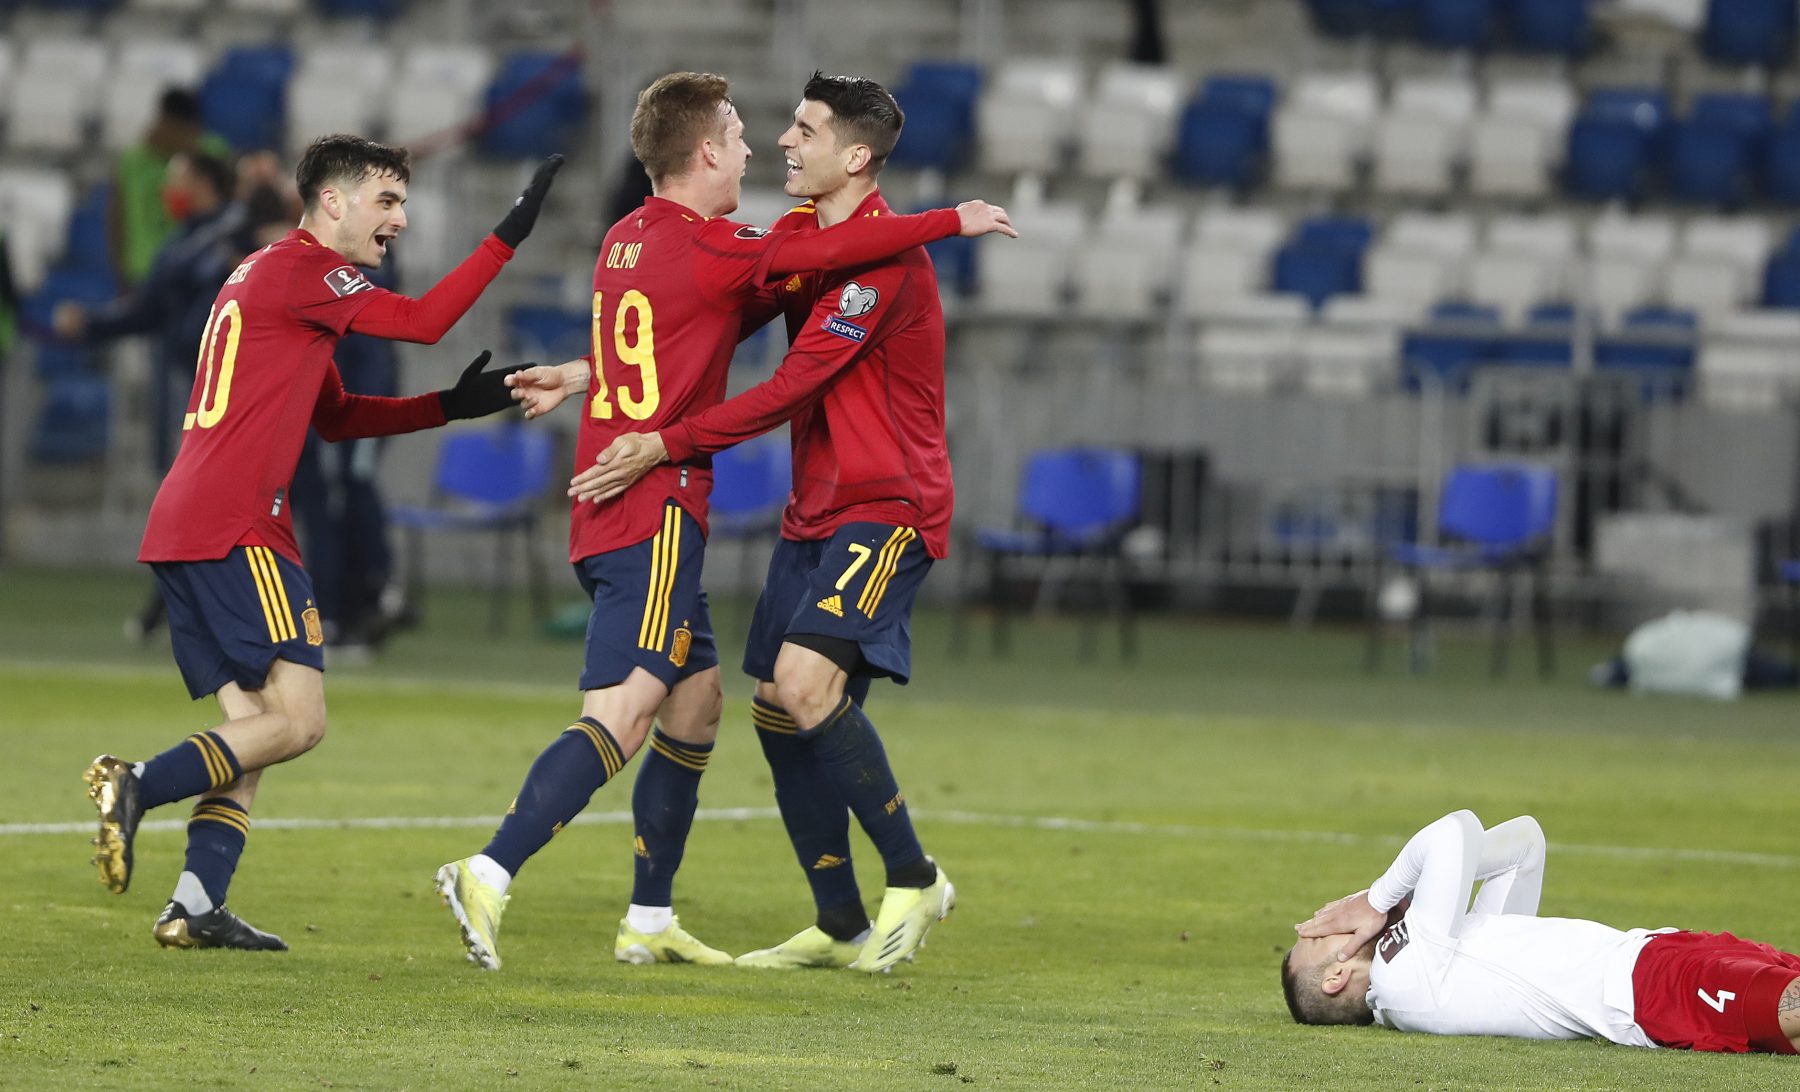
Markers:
{"x": 1024, "y": 119}
{"x": 1409, "y": 277}
{"x": 54, "y": 91}
{"x": 1128, "y": 123}
{"x": 1513, "y": 281}
{"x": 1368, "y": 313}
{"x": 143, "y": 70}
{"x": 1706, "y": 286}
{"x": 1247, "y": 359}
{"x": 35, "y": 204}
{"x": 1335, "y": 363}
{"x": 1549, "y": 103}
{"x": 1549, "y": 236}
{"x": 266, "y": 7}
{"x": 1254, "y": 229}
{"x": 1416, "y": 154}
{"x": 437, "y": 86}
{"x": 337, "y": 88}
{"x": 1213, "y": 272}
{"x": 1127, "y": 265}
{"x": 1746, "y": 378}
{"x": 1256, "y": 309}
{"x": 1617, "y": 283}
{"x": 1448, "y": 98}
{"x": 1645, "y": 238}
{"x": 1774, "y": 328}
{"x": 1510, "y": 157}
{"x": 1028, "y": 277}
{"x": 1321, "y": 130}
{"x": 1741, "y": 240}
{"x": 1449, "y": 235}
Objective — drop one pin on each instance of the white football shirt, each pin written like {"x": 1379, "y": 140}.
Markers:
{"x": 1496, "y": 968}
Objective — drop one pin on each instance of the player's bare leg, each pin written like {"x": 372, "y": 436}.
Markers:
{"x": 663, "y": 803}
{"x": 1787, "y": 1010}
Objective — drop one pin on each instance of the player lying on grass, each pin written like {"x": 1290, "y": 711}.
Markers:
{"x": 220, "y": 538}
{"x": 1411, "y": 954}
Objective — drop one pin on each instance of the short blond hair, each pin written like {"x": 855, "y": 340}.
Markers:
{"x": 673, "y": 115}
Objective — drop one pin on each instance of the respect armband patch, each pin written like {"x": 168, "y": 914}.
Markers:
{"x": 845, "y": 329}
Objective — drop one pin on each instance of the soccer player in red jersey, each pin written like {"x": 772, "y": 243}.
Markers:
{"x": 671, "y": 287}
{"x": 1412, "y": 954}
{"x": 220, "y": 537}
{"x": 863, "y": 383}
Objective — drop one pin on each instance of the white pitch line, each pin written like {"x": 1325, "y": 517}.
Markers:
{"x": 954, "y": 818}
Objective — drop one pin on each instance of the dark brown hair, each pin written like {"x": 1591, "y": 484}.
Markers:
{"x": 862, "y": 112}
{"x": 349, "y": 160}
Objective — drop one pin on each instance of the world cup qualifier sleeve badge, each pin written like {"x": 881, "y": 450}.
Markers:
{"x": 854, "y": 302}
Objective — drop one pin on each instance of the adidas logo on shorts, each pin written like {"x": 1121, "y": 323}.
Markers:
{"x": 833, "y": 604}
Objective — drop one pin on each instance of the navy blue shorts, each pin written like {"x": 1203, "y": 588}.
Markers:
{"x": 230, "y": 619}
{"x": 858, "y": 585}
{"x": 649, "y": 609}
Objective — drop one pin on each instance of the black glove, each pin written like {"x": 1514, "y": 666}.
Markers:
{"x": 478, "y": 393}
{"x": 524, "y": 213}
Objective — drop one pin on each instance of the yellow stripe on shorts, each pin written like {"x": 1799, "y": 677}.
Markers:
{"x": 665, "y": 552}
{"x": 885, "y": 567}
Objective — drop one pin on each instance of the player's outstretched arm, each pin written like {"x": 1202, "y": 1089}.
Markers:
{"x": 625, "y": 460}
{"x": 339, "y": 415}
{"x": 543, "y": 387}
{"x": 429, "y": 318}
{"x": 865, "y": 239}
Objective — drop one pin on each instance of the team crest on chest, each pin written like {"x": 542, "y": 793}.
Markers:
{"x": 856, "y": 301}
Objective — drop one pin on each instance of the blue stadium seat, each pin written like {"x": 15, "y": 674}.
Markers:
{"x": 1711, "y": 152}
{"x": 1781, "y": 281}
{"x": 1613, "y": 142}
{"x": 1224, "y": 132}
{"x": 73, "y": 424}
{"x": 955, "y": 259}
{"x": 1324, "y": 259}
{"x": 1662, "y": 354}
{"x": 1457, "y": 24}
{"x": 88, "y": 249}
{"x": 1749, "y": 31}
{"x": 1781, "y": 160}
{"x": 79, "y": 285}
{"x": 244, "y": 98}
{"x": 490, "y": 481}
{"x": 751, "y": 482}
{"x": 1497, "y": 517}
{"x": 1552, "y": 26}
{"x": 534, "y": 105}
{"x": 549, "y": 335}
{"x": 939, "y": 100}
{"x": 1350, "y": 234}
{"x": 1463, "y": 337}
{"x": 361, "y": 9}
{"x": 1354, "y": 18}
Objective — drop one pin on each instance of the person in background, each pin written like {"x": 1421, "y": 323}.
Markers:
{"x": 140, "y": 223}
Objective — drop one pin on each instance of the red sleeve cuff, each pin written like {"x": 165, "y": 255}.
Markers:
{"x": 678, "y": 444}
{"x": 493, "y": 243}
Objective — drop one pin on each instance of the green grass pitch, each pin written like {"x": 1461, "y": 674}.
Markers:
{"x": 1131, "y": 844}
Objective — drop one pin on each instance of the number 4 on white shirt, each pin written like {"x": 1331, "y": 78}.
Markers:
{"x": 1717, "y": 1004}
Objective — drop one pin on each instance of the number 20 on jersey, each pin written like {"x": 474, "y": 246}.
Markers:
{"x": 636, "y": 318}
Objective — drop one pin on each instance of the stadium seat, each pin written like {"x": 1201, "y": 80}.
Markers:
{"x": 1334, "y": 362}
{"x": 1552, "y": 26}
{"x": 1367, "y": 313}
{"x": 1212, "y": 272}
{"x": 1612, "y": 143}
{"x": 243, "y": 98}
{"x": 88, "y": 248}
{"x": 1497, "y": 518}
{"x": 1416, "y": 155}
{"x": 1745, "y": 241}
{"x": 534, "y": 106}
{"x": 1745, "y": 378}
{"x": 1713, "y": 150}
{"x": 1656, "y": 344}
{"x": 35, "y": 206}
{"x": 1321, "y": 130}
{"x": 437, "y": 87}
{"x": 1410, "y": 278}
{"x": 1707, "y": 286}
{"x": 1457, "y": 24}
{"x": 1356, "y": 18}
{"x": 549, "y": 333}
{"x": 1757, "y": 32}
{"x": 73, "y": 423}
{"x": 143, "y": 70}
{"x": 1074, "y": 507}
{"x": 1513, "y": 281}
{"x": 1548, "y": 236}
{"x": 54, "y": 93}
{"x": 1254, "y": 229}
{"x": 750, "y": 487}
{"x": 1126, "y": 126}
{"x": 1246, "y": 359}
{"x": 1223, "y": 138}
{"x": 489, "y": 481}
{"x": 1028, "y": 277}
{"x": 1645, "y": 238}
{"x": 1257, "y": 309}
{"x": 337, "y": 88}
{"x": 1621, "y": 282}
{"x": 1516, "y": 146}
{"x": 361, "y": 9}
{"x": 1781, "y": 160}
{"x": 939, "y": 100}
{"x": 1448, "y": 235}
{"x": 1023, "y": 119}
{"x": 1127, "y": 267}
{"x": 1443, "y": 354}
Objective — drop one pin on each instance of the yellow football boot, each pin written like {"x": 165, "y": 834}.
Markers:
{"x": 907, "y": 914}
{"x": 114, "y": 790}
{"x": 672, "y": 945}
{"x": 477, "y": 907}
{"x": 810, "y": 947}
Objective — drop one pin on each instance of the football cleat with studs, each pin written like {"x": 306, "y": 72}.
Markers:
{"x": 907, "y": 914}
{"x": 477, "y": 907}
{"x": 114, "y": 790}
{"x": 672, "y": 945}
{"x": 810, "y": 947}
{"x": 217, "y": 928}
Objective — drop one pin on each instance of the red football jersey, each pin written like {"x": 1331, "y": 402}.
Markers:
{"x": 863, "y": 382}
{"x": 665, "y": 269}
{"x": 264, "y": 368}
